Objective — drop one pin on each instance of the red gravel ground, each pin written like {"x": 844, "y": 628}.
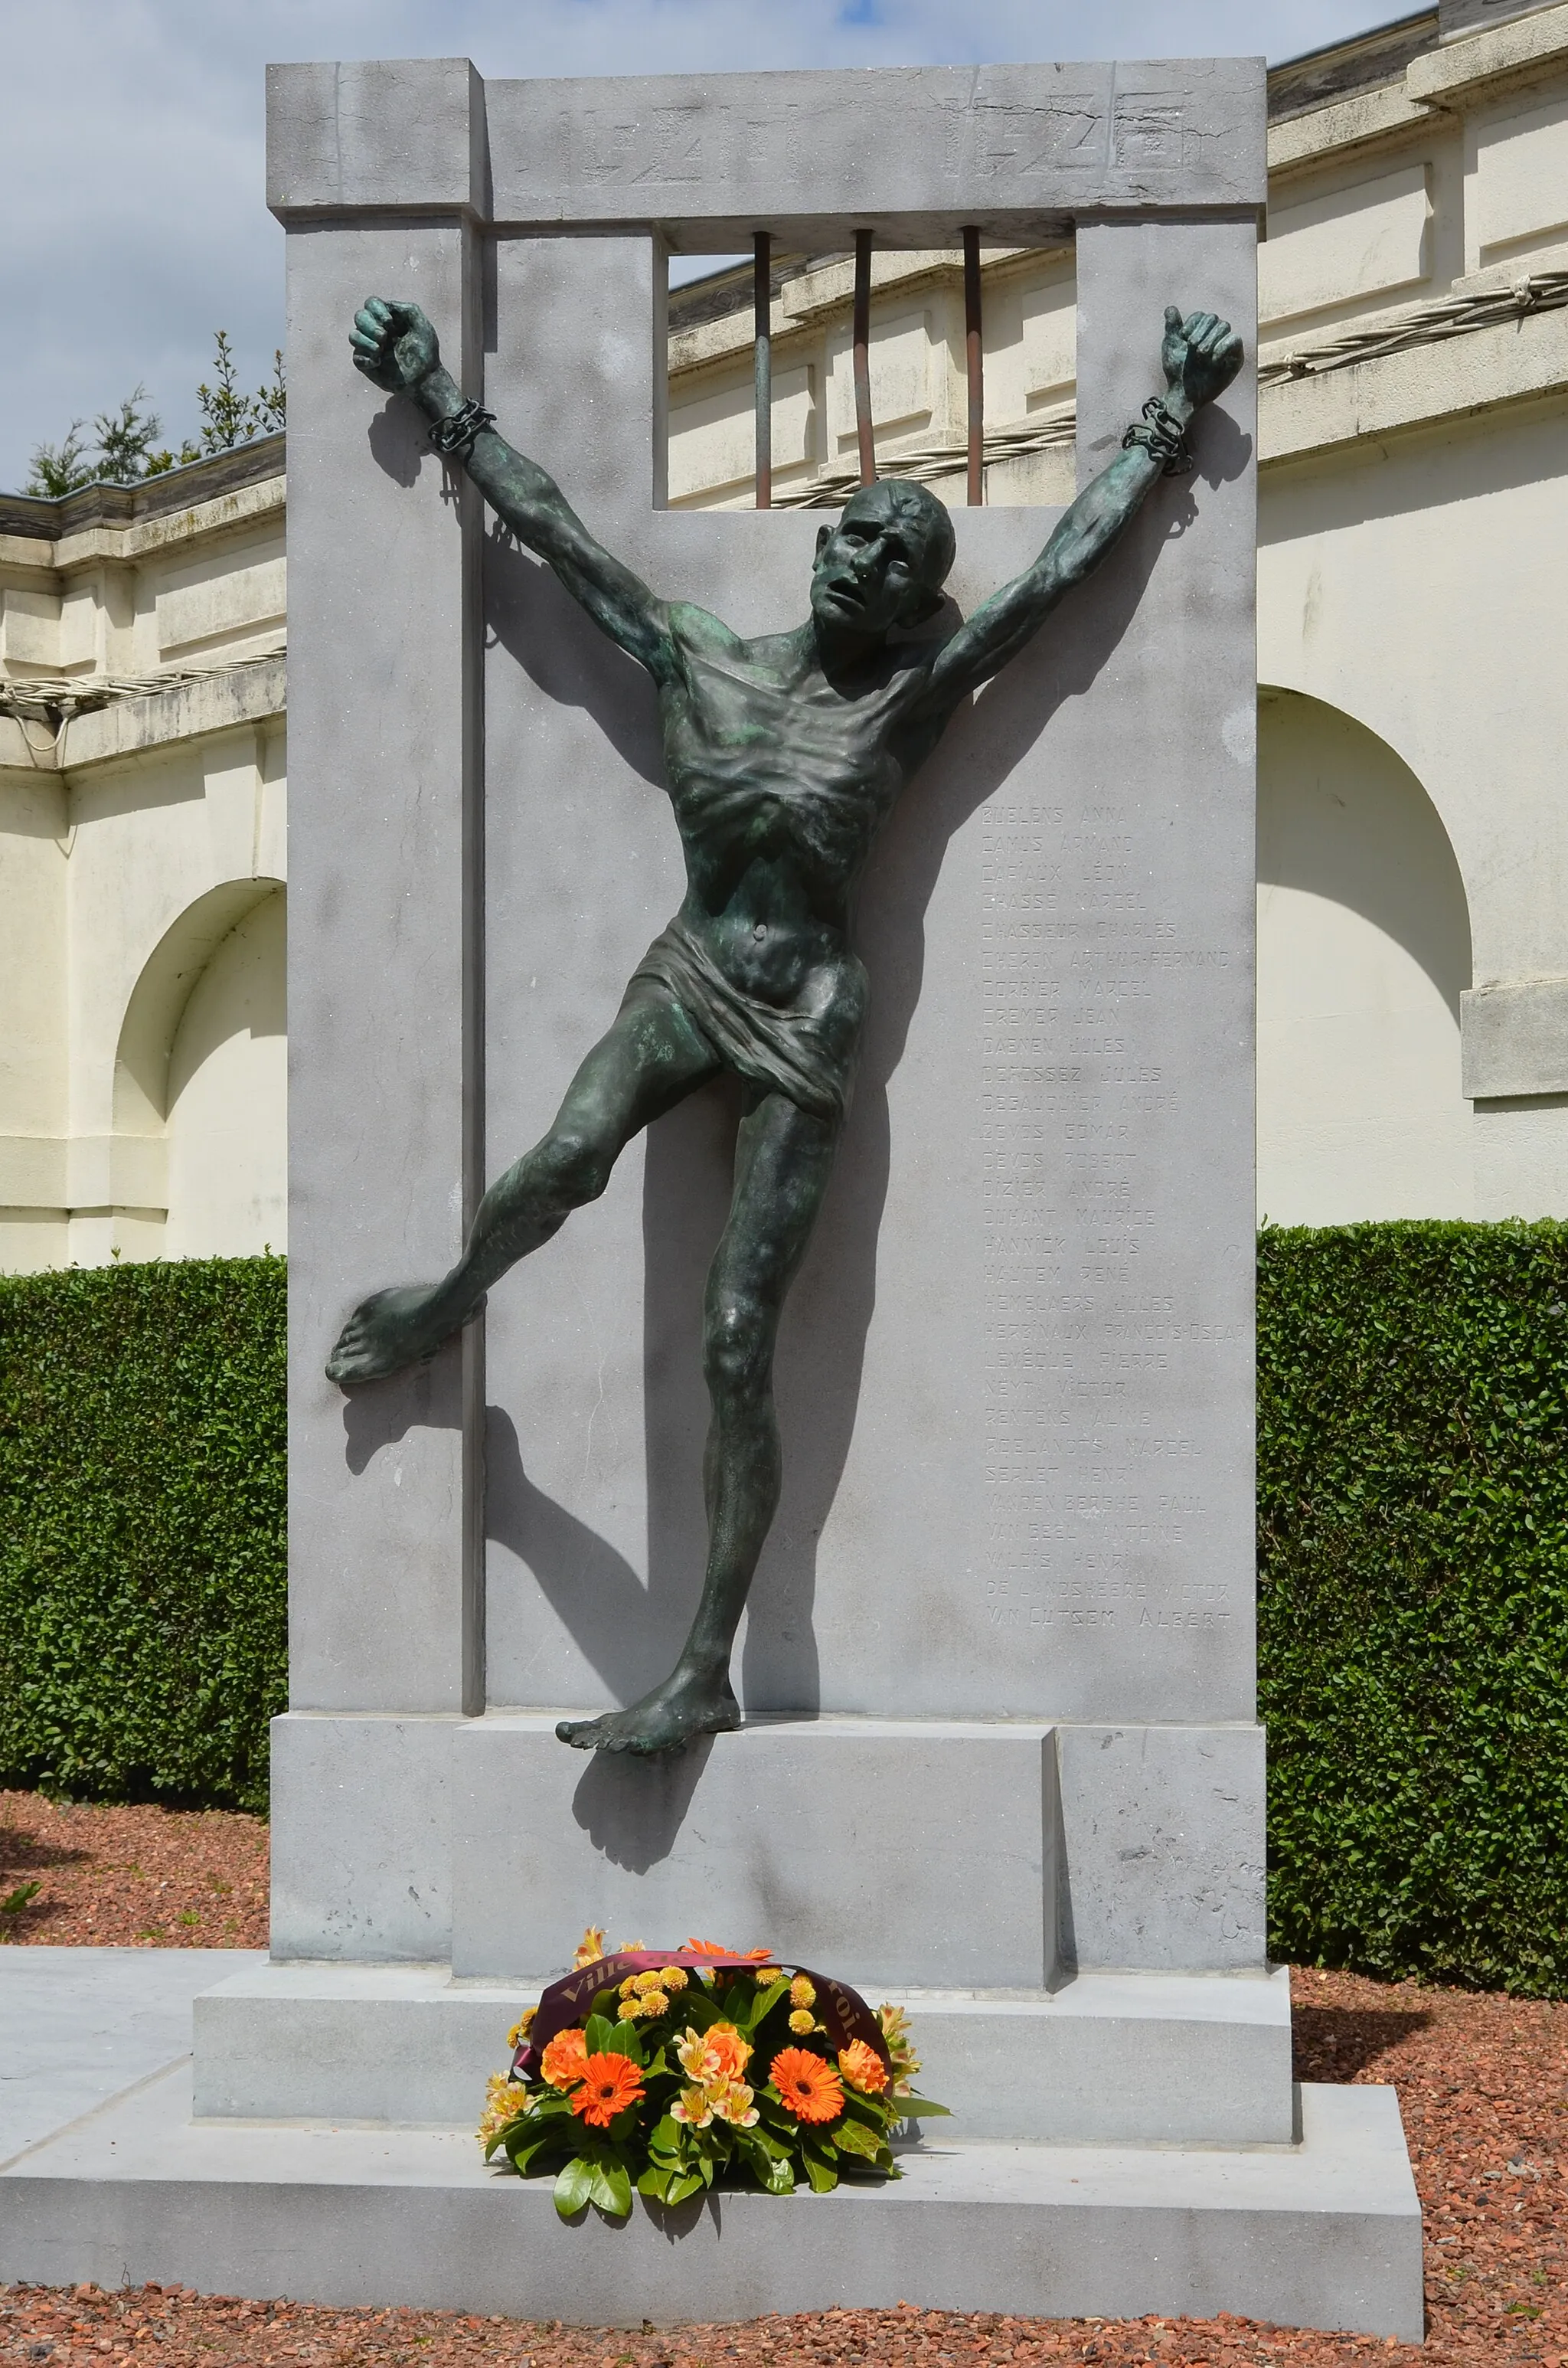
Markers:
{"x": 145, "y": 1878}
{"x": 1483, "y": 2084}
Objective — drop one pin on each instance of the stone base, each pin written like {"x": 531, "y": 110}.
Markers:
{"x": 970, "y": 1852}
{"x": 1325, "y": 2233}
{"x": 1108, "y": 2059}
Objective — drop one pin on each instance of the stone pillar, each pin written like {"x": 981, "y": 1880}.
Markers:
{"x": 385, "y": 1609}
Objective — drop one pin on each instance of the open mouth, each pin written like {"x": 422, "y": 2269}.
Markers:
{"x": 846, "y": 593}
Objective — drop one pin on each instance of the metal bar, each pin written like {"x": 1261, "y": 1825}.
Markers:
{"x": 863, "y": 429}
{"x": 762, "y": 353}
{"x": 974, "y": 356}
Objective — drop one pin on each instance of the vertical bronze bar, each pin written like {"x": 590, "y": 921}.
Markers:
{"x": 762, "y": 316}
{"x": 974, "y": 356}
{"x": 863, "y": 429}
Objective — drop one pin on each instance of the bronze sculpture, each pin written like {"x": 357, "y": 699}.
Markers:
{"x": 784, "y": 755}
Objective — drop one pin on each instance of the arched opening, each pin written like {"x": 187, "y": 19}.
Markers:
{"x": 201, "y": 1070}
{"x": 1363, "y": 952}
{"x": 228, "y": 1098}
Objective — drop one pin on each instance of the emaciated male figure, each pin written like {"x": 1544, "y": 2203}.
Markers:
{"x": 784, "y": 756}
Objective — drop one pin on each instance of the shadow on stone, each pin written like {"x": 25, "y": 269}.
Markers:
{"x": 397, "y": 442}
{"x": 591, "y": 1588}
{"x": 632, "y": 1810}
{"x": 378, "y": 1414}
{"x": 536, "y": 621}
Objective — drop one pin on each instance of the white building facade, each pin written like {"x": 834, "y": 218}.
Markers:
{"x": 1413, "y": 838}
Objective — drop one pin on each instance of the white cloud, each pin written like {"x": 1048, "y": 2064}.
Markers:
{"x": 132, "y": 170}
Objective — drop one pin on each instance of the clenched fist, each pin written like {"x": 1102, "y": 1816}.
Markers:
{"x": 394, "y": 345}
{"x": 1200, "y": 355}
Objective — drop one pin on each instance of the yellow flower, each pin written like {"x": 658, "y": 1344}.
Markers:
{"x": 522, "y": 2028}
{"x": 628, "y": 2010}
{"x": 693, "y": 2108}
{"x": 651, "y": 1979}
{"x": 672, "y": 1979}
{"x": 655, "y": 2002}
{"x": 732, "y": 2103}
{"x": 628, "y": 1987}
{"x": 695, "y": 2057}
{"x": 505, "y": 2100}
{"x": 905, "y": 2063}
{"x": 591, "y": 1947}
{"x": 802, "y": 1992}
{"x": 802, "y": 2020}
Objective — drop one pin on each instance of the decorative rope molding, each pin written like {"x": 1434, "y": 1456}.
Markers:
{"x": 53, "y": 700}
{"x": 923, "y": 462}
{"x": 1423, "y": 324}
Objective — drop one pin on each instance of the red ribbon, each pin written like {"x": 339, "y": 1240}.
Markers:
{"x": 565, "y": 2003}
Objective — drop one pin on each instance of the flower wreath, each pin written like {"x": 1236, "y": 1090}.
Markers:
{"x": 640, "y": 2069}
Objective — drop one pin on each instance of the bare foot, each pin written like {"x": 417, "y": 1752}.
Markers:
{"x": 686, "y": 1704}
{"x": 386, "y": 1332}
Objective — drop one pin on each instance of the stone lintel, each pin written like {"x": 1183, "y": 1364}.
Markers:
{"x": 913, "y": 154}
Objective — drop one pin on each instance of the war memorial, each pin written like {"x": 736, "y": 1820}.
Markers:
{"x": 807, "y": 1498}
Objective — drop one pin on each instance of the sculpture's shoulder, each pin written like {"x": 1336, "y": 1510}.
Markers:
{"x": 699, "y": 633}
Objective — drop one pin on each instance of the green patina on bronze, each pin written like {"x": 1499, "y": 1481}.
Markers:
{"x": 784, "y": 755}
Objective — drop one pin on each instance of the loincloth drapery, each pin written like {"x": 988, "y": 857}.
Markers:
{"x": 808, "y": 1057}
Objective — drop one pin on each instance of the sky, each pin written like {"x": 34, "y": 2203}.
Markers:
{"x": 133, "y": 220}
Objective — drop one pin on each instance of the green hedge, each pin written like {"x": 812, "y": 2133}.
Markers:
{"x": 1412, "y": 1641}
{"x": 143, "y": 1632}
{"x": 1412, "y": 1531}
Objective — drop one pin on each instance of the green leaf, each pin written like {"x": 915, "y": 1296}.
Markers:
{"x": 764, "y": 2002}
{"x": 599, "y": 2034}
{"x": 623, "y": 2040}
{"x": 853, "y": 2137}
{"x": 612, "y": 2189}
{"x": 655, "y": 2181}
{"x": 913, "y": 2109}
{"x": 681, "y": 2189}
{"x": 531, "y": 2151}
{"x": 822, "y": 2176}
{"x": 573, "y": 2185}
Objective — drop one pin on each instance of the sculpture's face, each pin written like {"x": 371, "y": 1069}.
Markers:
{"x": 882, "y": 565}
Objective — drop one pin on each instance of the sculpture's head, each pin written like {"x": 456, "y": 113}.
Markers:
{"x": 884, "y": 563}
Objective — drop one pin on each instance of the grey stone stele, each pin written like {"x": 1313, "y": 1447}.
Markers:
{"x": 998, "y": 1668}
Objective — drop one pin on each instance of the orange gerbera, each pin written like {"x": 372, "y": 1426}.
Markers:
{"x": 609, "y": 2084}
{"x": 809, "y": 2087}
{"x": 564, "y": 2059}
{"x": 863, "y": 2067}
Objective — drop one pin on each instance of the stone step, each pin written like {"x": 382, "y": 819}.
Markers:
{"x": 1109, "y": 2058}
{"x": 1325, "y": 2233}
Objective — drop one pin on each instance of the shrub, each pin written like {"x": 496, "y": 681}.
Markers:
{"x": 1412, "y": 1536}
{"x": 142, "y": 1627}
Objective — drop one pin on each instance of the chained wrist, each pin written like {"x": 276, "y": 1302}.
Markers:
{"x": 453, "y": 434}
{"x": 1163, "y": 435}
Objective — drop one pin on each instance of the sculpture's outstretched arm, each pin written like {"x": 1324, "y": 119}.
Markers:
{"x": 1202, "y": 356}
{"x": 396, "y": 347}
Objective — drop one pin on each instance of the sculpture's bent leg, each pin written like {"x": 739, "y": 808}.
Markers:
{"x": 649, "y": 1059}
{"x": 783, "y": 1159}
